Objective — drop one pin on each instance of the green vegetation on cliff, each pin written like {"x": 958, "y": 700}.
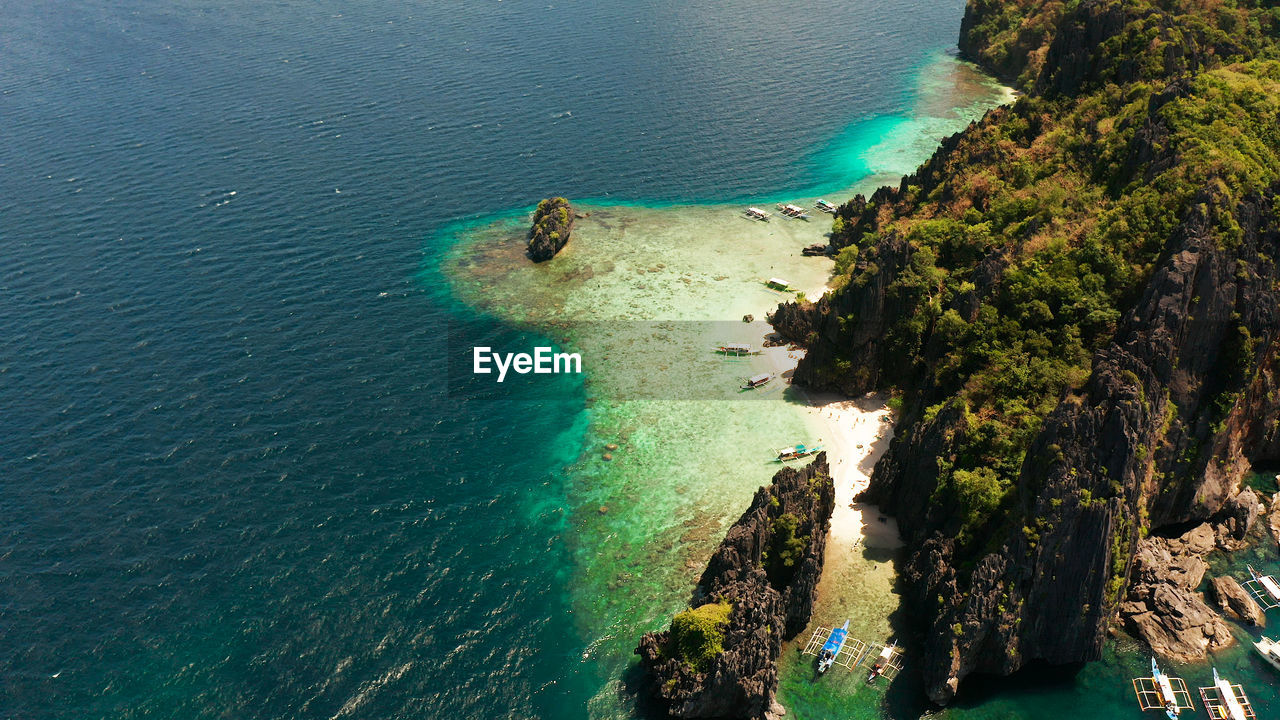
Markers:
{"x": 785, "y": 549}
{"x": 1034, "y": 231}
{"x": 697, "y": 634}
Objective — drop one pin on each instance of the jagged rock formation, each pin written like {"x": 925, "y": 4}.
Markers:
{"x": 552, "y": 224}
{"x": 1163, "y": 607}
{"x": 768, "y": 568}
{"x": 1079, "y": 367}
{"x": 1237, "y": 603}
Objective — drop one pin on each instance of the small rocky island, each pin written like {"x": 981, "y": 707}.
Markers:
{"x": 719, "y": 659}
{"x": 552, "y": 223}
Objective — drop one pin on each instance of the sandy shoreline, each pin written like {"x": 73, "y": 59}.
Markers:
{"x": 854, "y": 432}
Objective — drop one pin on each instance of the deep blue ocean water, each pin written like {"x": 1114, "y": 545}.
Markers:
{"x": 232, "y": 482}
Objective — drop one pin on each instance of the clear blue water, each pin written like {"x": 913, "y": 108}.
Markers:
{"x": 233, "y": 482}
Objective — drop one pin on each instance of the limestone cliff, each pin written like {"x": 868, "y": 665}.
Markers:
{"x": 1080, "y": 307}
{"x": 766, "y": 570}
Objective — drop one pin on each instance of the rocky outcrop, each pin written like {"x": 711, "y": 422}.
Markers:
{"x": 1074, "y": 506}
{"x": 1237, "y": 603}
{"x": 1236, "y": 518}
{"x": 552, "y": 224}
{"x": 767, "y": 568}
{"x": 1163, "y": 607}
{"x": 1157, "y": 436}
{"x": 1273, "y": 517}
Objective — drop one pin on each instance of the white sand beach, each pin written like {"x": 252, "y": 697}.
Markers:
{"x": 855, "y": 432}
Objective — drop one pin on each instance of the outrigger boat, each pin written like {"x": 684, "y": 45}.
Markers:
{"x": 735, "y": 349}
{"x": 756, "y": 381}
{"x": 1161, "y": 692}
{"x": 796, "y": 452}
{"x": 835, "y": 641}
{"x": 1264, "y": 588}
{"x": 1225, "y": 701}
{"x": 793, "y": 211}
{"x": 825, "y": 207}
{"x": 756, "y": 213}
{"x": 1269, "y": 650}
{"x": 777, "y": 284}
{"x": 882, "y": 662}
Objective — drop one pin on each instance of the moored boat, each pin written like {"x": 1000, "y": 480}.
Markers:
{"x": 777, "y": 284}
{"x": 756, "y": 213}
{"x": 1267, "y": 582}
{"x": 1225, "y": 701}
{"x": 882, "y": 662}
{"x": 756, "y": 381}
{"x": 1269, "y": 650}
{"x": 795, "y": 452}
{"x": 1166, "y": 691}
{"x": 735, "y": 349}
{"x": 835, "y": 641}
{"x": 793, "y": 211}
{"x": 825, "y": 207}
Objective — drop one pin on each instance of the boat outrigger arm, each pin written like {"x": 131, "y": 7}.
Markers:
{"x": 887, "y": 663}
{"x": 1264, "y": 589}
{"x": 1226, "y": 700}
{"x": 1161, "y": 692}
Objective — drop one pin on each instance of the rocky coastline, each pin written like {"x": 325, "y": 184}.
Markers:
{"x": 719, "y": 659}
{"x": 1036, "y": 524}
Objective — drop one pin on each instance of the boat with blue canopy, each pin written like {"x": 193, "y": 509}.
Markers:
{"x": 832, "y": 647}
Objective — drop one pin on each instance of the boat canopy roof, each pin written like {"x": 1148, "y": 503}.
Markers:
{"x": 778, "y": 281}
{"x": 736, "y": 346}
{"x": 758, "y": 379}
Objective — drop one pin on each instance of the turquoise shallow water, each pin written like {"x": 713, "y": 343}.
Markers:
{"x": 237, "y": 479}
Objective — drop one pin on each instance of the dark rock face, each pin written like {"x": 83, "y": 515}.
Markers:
{"x": 1160, "y": 434}
{"x": 1236, "y": 602}
{"x": 552, "y": 223}
{"x": 1183, "y": 386}
{"x": 741, "y": 681}
{"x": 818, "y": 326}
{"x": 1236, "y": 518}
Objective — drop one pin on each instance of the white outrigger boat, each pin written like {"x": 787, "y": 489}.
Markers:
{"x": 756, "y": 213}
{"x": 793, "y": 211}
{"x": 795, "y": 452}
{"x": 777, "y": 284}
{"x": 1161, "y": 692}
{"x": 735, "y": 349}
{"x": 1225, "y": 701}
{"x": 756, "y": 381}
{"x": 1264, "y": 588}
{"x": 1269, "y": 650}
{"x": 825, "y": 207}
{"x": 884, "y": 661}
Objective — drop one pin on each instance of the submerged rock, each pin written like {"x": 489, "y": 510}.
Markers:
{"x": 552, "y": 223}
{"x": 719, "y": 659}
